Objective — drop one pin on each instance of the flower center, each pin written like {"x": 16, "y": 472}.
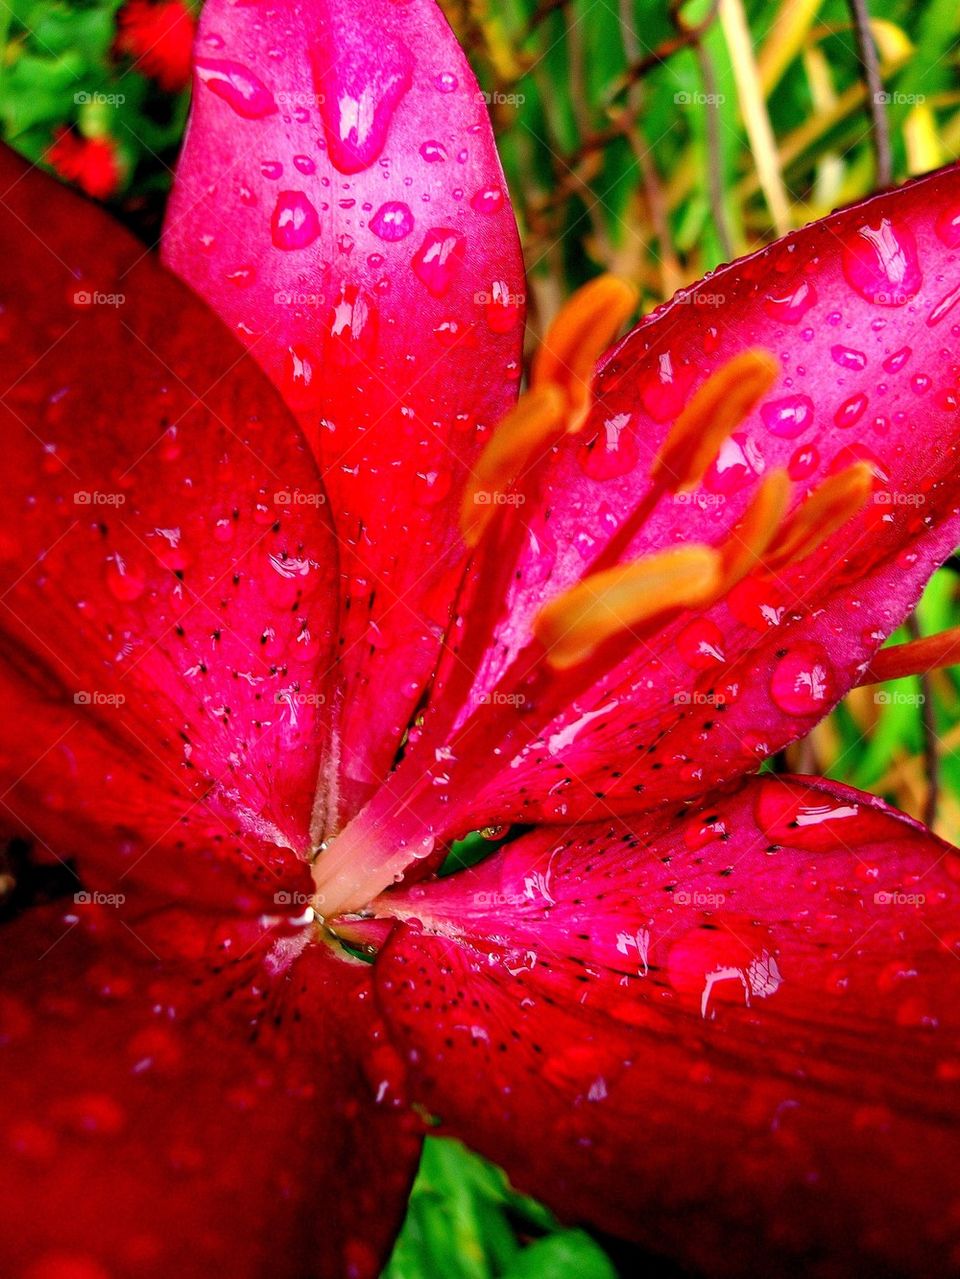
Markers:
{"x": 579, "y": 635}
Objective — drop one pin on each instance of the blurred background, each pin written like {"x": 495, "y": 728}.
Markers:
{"x": 649, "y": 137}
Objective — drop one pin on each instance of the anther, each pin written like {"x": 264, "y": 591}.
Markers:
{"x": 623, "y": 597}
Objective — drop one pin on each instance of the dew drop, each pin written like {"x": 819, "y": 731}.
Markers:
{"x": 851, "y": 411}
{"x": 948, "y": 225}
{"x": 392, "y": 221}
{"x": 790, "y": 308}
{"x": 881, "y": 263}
{"x": 848, "y": 358}
{"x": 438, "y": 259}
{"x": 358, "y": 92}
{"x": 237, "y": 86}
{"x": 487, "y": 200}
{"x": 295, "y": 223}
{"x": 433, "y": 152}
{"x": 789, "y": 416}
{"x": 895, "y": 362}
{"x": 802, "y": 681}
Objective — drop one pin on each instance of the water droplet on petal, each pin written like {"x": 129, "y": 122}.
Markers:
{"x": 438, "y": 259}
{"x": 358, "y": 91}
{"x": 895, "y": 362}
{"x": 848, "y": 358}
{"x": 738, "y": 463}
{"x": 881, "y": 263}
{"x": 802, "y": 681}
{"x": 392, "y": 221}
{"x": 610, "y": 451}
{"x": 851, "y": 411}
{"x": 237, "y": 86}
{"x": 804, "y": 462}
{"x": 123, "y": 582}
{"x": 487, "y": 200}
{"x": 700, "y": 644}
{"x": 295, "y": 223}
{"x": 790, "y": 308}
{"x": 948, "y": 225}
{"x": 433, "y": 152}
{"x": 789, "y": 416}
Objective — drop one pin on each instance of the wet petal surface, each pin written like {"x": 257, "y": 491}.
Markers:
{"x": 340, "y": 204}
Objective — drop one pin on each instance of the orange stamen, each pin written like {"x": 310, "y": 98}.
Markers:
{"x": 533, "y": 424}
{"x": 746, "y": 545}
{"x": 582, "y": 330}
{"x": 618, "y": 599}
{"x": 719, "y": 406}
{"x": 916, "y": 658}
{"x": 831, "y": 505}
{"x": 558, "y": 400}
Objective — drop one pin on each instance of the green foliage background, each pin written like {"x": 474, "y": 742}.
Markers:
{"x": 640, "y": 136}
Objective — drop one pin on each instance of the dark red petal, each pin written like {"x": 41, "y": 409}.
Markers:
{"x": 186, "y": 1116}
{"x": 167, "y": 607}
{"x": 734, "y": 1038}
{"x": 704, "y": 698}
{"x": 340, "y": 203}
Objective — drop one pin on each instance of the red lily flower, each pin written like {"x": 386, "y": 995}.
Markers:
{"x": 712, "y": 1012}
{"x": 159, "y": 38}
{"x": 92, "y": 164}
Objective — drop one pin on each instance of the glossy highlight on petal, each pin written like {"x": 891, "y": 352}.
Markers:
{"x": 314, "y": 209}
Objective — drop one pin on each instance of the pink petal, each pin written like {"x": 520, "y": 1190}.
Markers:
{"x": 705, "y": 697}
{"x": 733, "y": 1038}
{"x": 186, "y": 1101}
{"x": 340, "y": 204}
{"x": 167, "y": 606}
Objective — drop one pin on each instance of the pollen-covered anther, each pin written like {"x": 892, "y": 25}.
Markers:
{"x": 716, "y": 409}
{"x": 535, "y": 422}
{"x": 828, "y": 508}
{"x": 619, "y": 600}
{"x": 582, "y": 330}
{"x": 747, "y": 543}
{"x": 557, "y": 402}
